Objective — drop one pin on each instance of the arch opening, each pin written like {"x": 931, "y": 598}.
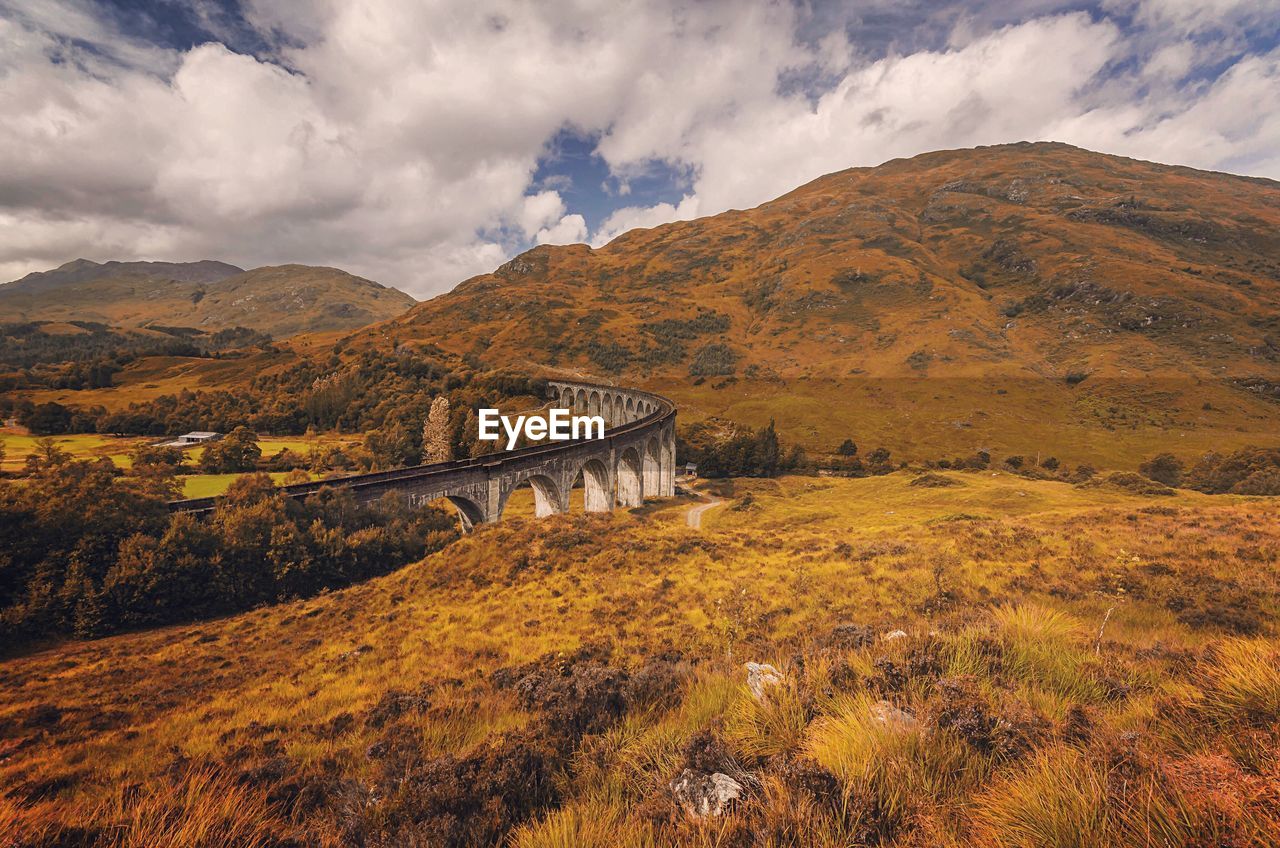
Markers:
{"x": 469, "y": 512}
{"x": 607, "y": 411}
{"x": 597, "y": 495}
{"x": 630, "y": 487}
{"x": 667, "y": 465}
{"x": 580, "y": 402}
{"x": 652, "y": 468}
{"x": 546, "y": 496}
{"x": 536, "y": 495}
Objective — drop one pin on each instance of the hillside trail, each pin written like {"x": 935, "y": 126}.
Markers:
{"x": 694, "y": 516}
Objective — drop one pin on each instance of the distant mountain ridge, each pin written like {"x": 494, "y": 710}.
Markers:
{"x": 1027, "y": 297}
{"x": 85, "y": 271}
{"x": 280, "y": 300}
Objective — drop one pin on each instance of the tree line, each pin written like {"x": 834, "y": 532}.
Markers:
{"x": 86, "y": 550}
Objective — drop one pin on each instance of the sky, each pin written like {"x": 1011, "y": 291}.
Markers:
{"x": 421, "y": 142}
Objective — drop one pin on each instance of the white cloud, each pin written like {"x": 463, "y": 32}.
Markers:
{"x": 399, "y": 138}
{"x": 571, "y": 229}
{"x": 632, "y": 217}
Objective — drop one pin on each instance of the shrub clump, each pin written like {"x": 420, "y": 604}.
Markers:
{"x": 1251, "y": 471}
{"x": 714, "y": 360}
{"x": 1128, "y": 481}
{"x": 930, "y": 480}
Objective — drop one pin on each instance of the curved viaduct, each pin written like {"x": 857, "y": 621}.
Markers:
{"x": 634, "y": 460}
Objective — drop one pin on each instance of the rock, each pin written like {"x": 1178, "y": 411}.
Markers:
{"x": 761, "y": 676}
{"x": 701, "y": 795}
{"x": 893, "y": 634}
{"x": 355, "y": 653}
{"x": 893, "y": 717}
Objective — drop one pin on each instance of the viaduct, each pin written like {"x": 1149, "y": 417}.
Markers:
{"x": 634, "y": 460}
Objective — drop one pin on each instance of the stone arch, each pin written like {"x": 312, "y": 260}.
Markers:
{"x": 547, "y": 497}
{"x": 630, "y": 487}
{"x": 667, "y": 466}
{"x": 631, "y": 410}
{"x": 469, "y": 512}
{"x": 606, "y": 409}
{"x": 652, "y": 468}
{"x": 593, "y": 403}
{"x": 566, "y": 398}
{"x": 597, "y": 494}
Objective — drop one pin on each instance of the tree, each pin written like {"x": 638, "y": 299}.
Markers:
{"x": 236, "y": 453}
{"x": 156, "y": 456}
{"x": 848, "y": 448}
{"x": 47, "y": 456}
{"x": 48, "y": 419}
{"x": 1163, "y": 468}
{"x": 437, "y": 441}
{"x": 879, "y": 456}
{"x": 391, "y": 447}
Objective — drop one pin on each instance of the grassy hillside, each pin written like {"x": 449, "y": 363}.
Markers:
{"x": 281, "y": 301}
{"x": 1024, "y": 298}
{"x": 1080, "y": 666}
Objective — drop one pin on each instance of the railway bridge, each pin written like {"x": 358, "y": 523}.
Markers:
{"x": 634, "y": 460}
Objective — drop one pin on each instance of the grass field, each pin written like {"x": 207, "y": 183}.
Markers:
{"x": 210, "y": 485}
{"x": 81, "y": 446}
{"x": 1080, "y": 667}
{"x": 118, "y": 449}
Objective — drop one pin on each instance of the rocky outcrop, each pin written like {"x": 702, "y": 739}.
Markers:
{"x": 762, "y": 677}
{"x": 702, "y": 795}
{"x": 893, "y": 717}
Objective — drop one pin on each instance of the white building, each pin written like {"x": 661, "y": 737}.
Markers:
{"x": 196, "y": 437}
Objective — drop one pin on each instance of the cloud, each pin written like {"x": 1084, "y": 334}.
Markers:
{"x": 399, "y": 139}
{"x": 571, "y": 229}
{"x": 632, "y": 217}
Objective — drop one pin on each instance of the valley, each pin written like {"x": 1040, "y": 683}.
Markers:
{"x": 975, "y": 538}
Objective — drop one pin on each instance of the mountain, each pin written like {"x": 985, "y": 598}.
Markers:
{"x": 281, "y": 300}
{"x": 86, "y": 271}
{"x": 1036, "y": 298}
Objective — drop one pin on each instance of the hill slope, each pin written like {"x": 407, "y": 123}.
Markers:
{"x": 282, "y": 300}
{"x": 79, "y": 271}
{"x": 378, "y": 715}
{"x": 1024, "y": 297}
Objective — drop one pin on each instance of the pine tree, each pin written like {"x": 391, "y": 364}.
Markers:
{"x": 437, "y": 446}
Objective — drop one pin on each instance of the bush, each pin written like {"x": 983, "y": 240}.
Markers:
{"x": 1163, "y": 468}
{"x": 1253, "y": 471}
{"x": 234, "y": 454}
{"x": 713, "y": 360}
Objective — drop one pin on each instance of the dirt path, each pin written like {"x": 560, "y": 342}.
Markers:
{"x": 694, "y": 516}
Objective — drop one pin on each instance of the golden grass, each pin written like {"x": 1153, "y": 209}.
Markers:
{"x": 1243, "y": 681}
{"x": 1057, "y": 801}
{"x": 582, "y": 826}
{"x": 1029, "y": 591}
